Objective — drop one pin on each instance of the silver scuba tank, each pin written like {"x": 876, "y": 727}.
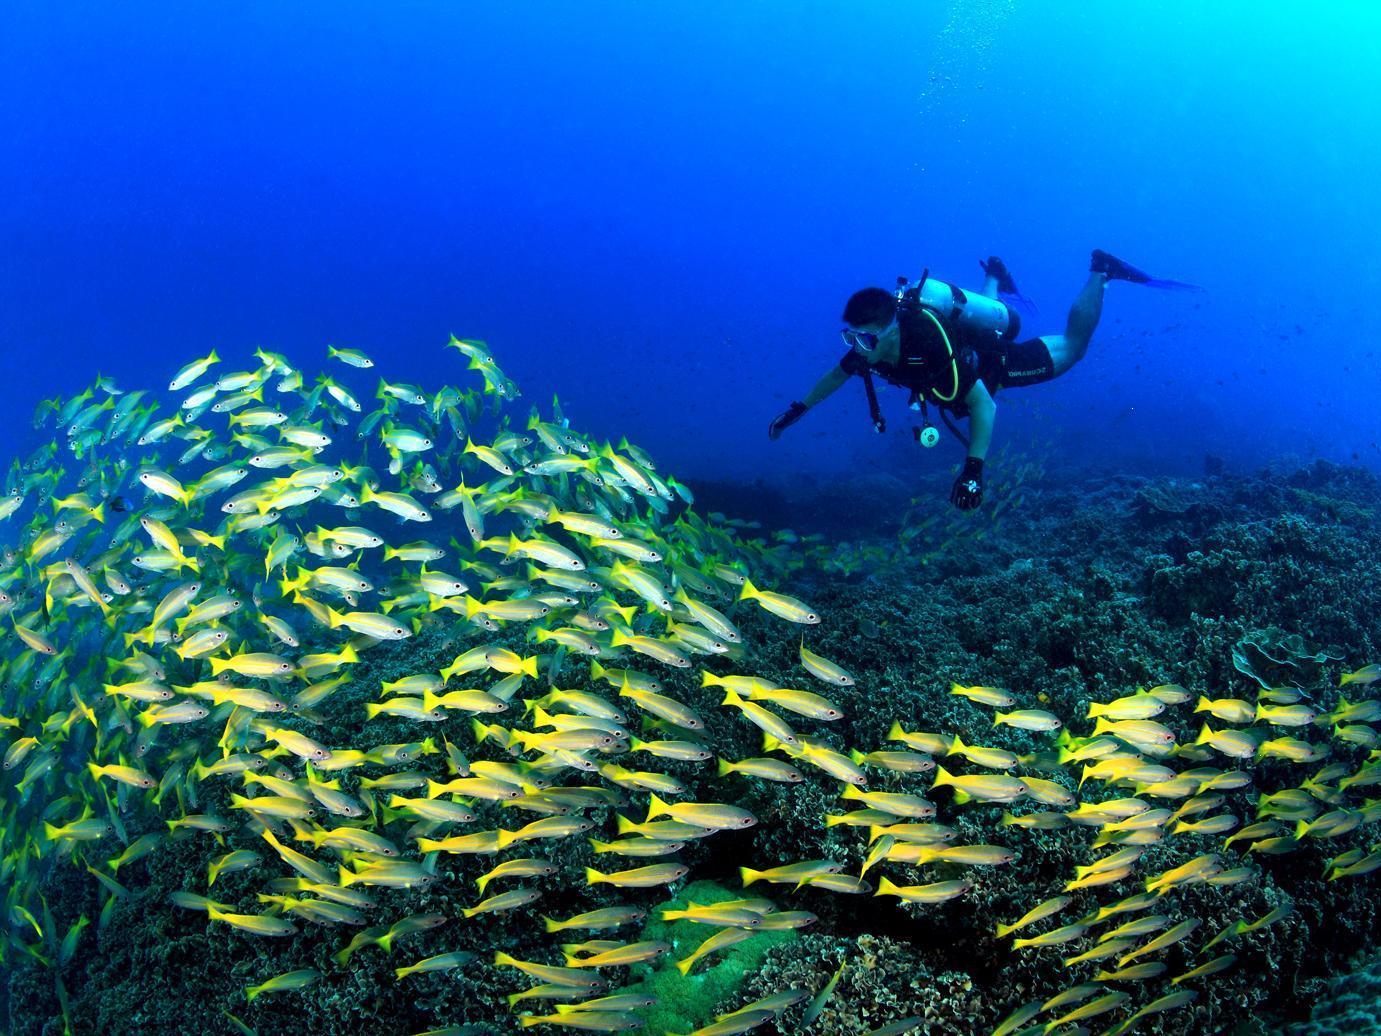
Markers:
{"x": 971, "y": 311}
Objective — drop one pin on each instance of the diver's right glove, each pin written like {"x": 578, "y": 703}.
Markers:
{"x": 968, "y": 487}
{"x": 784, "y": 421}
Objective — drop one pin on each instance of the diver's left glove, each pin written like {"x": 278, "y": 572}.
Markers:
{"x": 997, "y": 270}
{"x": 968, "y": 487}
{"x": 784, "y": 421}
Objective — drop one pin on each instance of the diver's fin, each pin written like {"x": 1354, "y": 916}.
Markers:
{"x": 1116, "y": 270}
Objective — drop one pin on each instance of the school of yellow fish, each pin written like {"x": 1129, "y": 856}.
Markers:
{"x": 186, "y": 599}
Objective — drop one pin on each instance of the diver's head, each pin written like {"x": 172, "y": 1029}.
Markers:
{"x": 871, "y": 316}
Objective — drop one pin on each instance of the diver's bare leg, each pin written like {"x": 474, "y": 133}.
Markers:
{"x": 1068, "y": 349}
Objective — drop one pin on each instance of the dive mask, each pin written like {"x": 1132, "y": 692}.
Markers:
{"x": 865, "y": 343}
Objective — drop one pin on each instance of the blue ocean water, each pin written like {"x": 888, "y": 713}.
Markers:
{"x": 657, "y": 211}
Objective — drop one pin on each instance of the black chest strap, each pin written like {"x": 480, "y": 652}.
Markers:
{"x": 874, "y": 411}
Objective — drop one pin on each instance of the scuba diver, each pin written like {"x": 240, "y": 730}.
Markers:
{"x": 956, "y": 349}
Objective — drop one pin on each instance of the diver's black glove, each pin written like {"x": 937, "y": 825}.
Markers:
{"x": 997, "y": 270}
{"x": 784, "y": 421}
{"x": 968, "y": 487}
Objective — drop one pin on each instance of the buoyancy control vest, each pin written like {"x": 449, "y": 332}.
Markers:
{"x": 945, "y": 334}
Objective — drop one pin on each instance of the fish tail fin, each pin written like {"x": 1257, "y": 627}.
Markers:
{"x": 942, "y": 777}
{"x": 748, "y": 590}
{"x": 895, "y": 732}
{"x": 594, "y": 877}
{"x": 748, "y": 875}
{"x": 725, "y": 768}
{"x": 656, "y": 807}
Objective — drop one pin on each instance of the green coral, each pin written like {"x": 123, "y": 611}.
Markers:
{"x": 687, "y": 1002}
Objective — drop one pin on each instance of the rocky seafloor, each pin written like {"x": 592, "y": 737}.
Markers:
{"x": 1085, "y": 590}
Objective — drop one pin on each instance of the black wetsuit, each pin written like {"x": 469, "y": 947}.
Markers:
{"x": 941, "y": 373}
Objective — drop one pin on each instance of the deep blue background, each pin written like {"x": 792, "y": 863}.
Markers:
{"x": 657, "y": 210}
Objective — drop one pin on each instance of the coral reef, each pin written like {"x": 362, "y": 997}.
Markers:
{"x": 1349, "y": 1006}
{"x": 1076, "y": 593}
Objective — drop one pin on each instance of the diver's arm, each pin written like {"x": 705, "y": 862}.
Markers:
{"x": 982, "y": 414}
{"x": 968, "y": 487}
{"x": 825, "y": 387}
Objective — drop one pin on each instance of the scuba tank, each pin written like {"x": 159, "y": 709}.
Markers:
{"x": 977, "y": 314}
